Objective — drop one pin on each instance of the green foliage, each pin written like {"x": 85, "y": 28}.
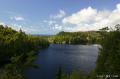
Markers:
{"x": 17, "y": 51}
{"x": 90, "y": 37}
{"x": 108, "y": 62}
{"x": 7, "y": 74}
{"x": 73, "y": 75}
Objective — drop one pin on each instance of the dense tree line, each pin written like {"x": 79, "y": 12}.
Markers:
{"x": 17, "y": 51}
{"x": 108, "y": 62}
{"x": 90, "y": 37}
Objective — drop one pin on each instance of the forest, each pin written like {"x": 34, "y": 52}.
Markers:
{"x": 18, "y": 50}
{"x": 88, "y": 37}
{"x": 108, "y": 61}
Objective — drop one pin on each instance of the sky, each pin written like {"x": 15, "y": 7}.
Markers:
{"x": 52, "y": 16}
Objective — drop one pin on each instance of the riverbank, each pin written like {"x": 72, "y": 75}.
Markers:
{"x": 17, "y": 51}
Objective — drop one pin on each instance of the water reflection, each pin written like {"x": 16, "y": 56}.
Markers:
{"x": 69, "y": 57}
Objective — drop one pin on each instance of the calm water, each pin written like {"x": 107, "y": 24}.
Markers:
{"x": 69, "y": 57}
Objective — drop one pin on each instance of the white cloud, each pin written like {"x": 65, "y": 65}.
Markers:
{"x": 51, "y": 22}
{"x": 93, "y": 19}
{"x": 2, "y": 23}
{"x": 59, "y": 15}
{"x": 118, "y": 7}
{"x": 27, "y": 29}
{"x": 16, "y": 26}
{"x": 84, "y": 15}
{"x": 57, "y": 27}
{"x": 17, "y": 18}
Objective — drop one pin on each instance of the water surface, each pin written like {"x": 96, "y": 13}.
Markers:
{"x": 68, "y": 57}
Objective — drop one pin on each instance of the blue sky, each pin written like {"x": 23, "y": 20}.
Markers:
{"x": 52, "y": 16}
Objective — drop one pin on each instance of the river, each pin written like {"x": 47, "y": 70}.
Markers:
{"x": 68, "y": 57}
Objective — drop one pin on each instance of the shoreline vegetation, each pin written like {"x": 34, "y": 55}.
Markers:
{"x": 17, "y": 52}
{"x": 107, "y": 65}
{"x": 89, "y": 37}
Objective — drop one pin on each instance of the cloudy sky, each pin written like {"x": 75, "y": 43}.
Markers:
{"x": 52, "y": 16}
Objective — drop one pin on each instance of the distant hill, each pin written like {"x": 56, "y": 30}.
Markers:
{"x": 41, "y": 35}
